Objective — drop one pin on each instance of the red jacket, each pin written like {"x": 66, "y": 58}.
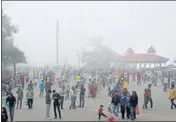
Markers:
{"x": 100, "y": 110}
{"x": 22, "y": 79}
{"x": 138, "y": 76}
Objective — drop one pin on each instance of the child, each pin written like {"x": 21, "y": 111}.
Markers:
{"x": 100, "y": 112}
{"x": 4, "y": 115}
{"x": 146, "y": 97}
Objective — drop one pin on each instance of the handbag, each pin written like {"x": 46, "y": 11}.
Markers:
{"x": 137, "y": 110}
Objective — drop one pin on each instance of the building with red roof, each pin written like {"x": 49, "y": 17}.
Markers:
{"x": 149, "y": 58}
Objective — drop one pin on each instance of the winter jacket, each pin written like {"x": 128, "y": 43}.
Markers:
{"x": 11, "y": 101}
{"x": 42, "y": 85}
{"x": 56, "y": 97}
{"x": 123, "y": 100}
{"x": 149, "y": 92}
{"x": 30, "y": 94}
{"x": 115, "y": 99}
{"x": 172, "y": 93}
{"x": 30, "y": 86}
{"x": 133, "y": 101}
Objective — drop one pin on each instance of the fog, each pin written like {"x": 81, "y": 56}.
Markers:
{"x": 119, "y": 24}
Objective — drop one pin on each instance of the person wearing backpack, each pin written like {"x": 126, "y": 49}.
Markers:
{"x": 123, "y": 104}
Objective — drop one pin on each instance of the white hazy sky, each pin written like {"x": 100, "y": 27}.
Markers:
{"x": 121, "y": 24}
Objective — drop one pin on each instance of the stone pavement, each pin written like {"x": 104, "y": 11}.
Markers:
{"x": 89, "y": 112}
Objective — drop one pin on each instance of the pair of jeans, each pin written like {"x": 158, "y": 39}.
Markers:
{"x": 82, "y": 100}
{"x": 67, "y": 95}
{"x": 19, "y": 101}
{"x": 61, "y": 101}
{"x": 127, "y": 112}
{"x": 73, "y": 102}
{"x": 115, "y": 109}
{"x": 48, "y": 106}
{"x": 123, "y": 110}
{"x": 165, "y": 86}
{"x": 58, "y": 108}
{"x": 30, "y": 103}
{"x": 145, "y": 103}
{"x": 133, "y": 112}
{"x": 172, "y": 103}
{"x": 139, "y": 82}
{"x": 41, "y": 92}
{"x": 11, "y": 111}
{"x": 151, "y": 102}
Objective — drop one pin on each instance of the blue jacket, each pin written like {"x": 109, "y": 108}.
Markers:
{"x": 42, "y": 85}
{"x": 123, "y": 100}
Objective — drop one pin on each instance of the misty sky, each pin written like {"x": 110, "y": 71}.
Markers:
{"x": 120, "y": 24}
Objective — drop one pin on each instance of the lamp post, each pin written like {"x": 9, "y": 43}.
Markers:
{"x": 57, "y": 42}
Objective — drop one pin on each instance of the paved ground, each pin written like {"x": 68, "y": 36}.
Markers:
{"x": 89, "y": 113}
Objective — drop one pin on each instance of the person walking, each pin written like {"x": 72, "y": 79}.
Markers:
{"x": 172, "y": 96}
{"x": 82, "y": 96}
{"x": 67, "y": 90}
{"x": 48, "y": 85}
{"x": 56, "y": 104}
{"x": 149, "y": 93}
{"x": 115, "y": 104}
{"x": 41, "y": 86}
{"x": 146, "y": 97}
{"x": 30, "y": 97}
{"x": 48, "y": 104}
{"x": 35, "y": 81}
{"x": 19, "y": 96}
{"x": 73, "y": 98}
{"x": 62, "y": 93}
{"x": 22, "y": 81}
{"x": 166, "y": 83}
{"x": 128, "y": 107}
{"x": 11, "y": 100}
{"x": 139, "y": 77}
{"x": 30, "y": 85}
{"x": 133, "y": 104}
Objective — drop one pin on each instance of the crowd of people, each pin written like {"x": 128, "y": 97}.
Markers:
{"x": 117, "y": 82}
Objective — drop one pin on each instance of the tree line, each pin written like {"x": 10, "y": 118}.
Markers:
{"x": 10, "y": 55}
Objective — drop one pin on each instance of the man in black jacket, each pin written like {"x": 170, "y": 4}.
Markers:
{"x": 56, "y": 103}
{"x": 11, "y": 100}
{"x": 115, "y": 103}
{"x": 133, "y": 104}
{"x": 82, "y": 96}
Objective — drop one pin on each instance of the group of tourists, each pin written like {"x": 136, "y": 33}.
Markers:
{"x": 57, "y": 89}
